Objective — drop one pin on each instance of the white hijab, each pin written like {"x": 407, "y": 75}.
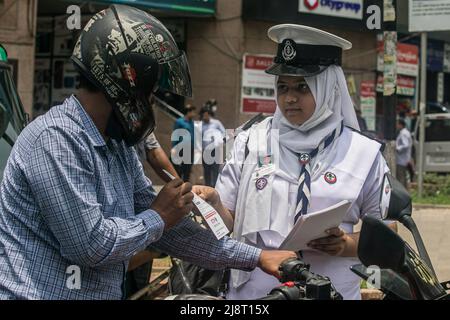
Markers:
{"x": 333, "y": 104}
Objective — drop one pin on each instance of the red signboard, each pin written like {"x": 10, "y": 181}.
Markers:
{"x": 258, "y": 87}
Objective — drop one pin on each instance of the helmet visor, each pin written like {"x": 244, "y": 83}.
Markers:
{"x": 175, "y": 76}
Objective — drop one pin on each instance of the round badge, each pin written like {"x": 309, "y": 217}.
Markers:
{"x": 261, "y": 183}
{"x": 304, "y": 158}
{"x": 330, "y": 177}
{"x": 387, "y": 189}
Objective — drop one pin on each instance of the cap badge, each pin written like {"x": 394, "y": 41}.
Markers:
{"x": 288, "y": 51}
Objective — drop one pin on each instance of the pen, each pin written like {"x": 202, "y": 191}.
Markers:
{"x": 168, "y": 174}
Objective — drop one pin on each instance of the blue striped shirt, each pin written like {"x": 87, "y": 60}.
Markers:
{"x": 71, "y": 202}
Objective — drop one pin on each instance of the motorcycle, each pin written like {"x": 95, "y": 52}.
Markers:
{"x": 387, "y": 261}
{"x": 297, "y": 283}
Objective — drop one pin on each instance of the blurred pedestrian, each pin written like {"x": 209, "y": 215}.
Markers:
{"x": 403, "y": 149}
{"x": 183, "y": 162}
{"x": 213, "y": 132}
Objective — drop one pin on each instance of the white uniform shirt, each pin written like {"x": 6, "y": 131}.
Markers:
{"x": 212, "y": 132}
{"x": 336, "y": 268}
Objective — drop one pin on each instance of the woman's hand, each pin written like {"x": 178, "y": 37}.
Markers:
{"x": 208, "y": 194}
{"x": 335, "y": 244}
{"x": 211, "y": 196}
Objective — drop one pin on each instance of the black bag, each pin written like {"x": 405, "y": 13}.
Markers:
{"x": 187, "y": 278}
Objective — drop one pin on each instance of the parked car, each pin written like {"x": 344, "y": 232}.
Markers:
{"x": 437, "y": 142}
{"x": 12, "y": 115}
{"x": 435, "y": 107}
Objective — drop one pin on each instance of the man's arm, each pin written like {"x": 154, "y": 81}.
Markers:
{"x": 159, "y": 161}
{"x": 189, "y": 241}
{"x": 63, "y": 179}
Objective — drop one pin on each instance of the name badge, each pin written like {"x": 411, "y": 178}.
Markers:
{"x": 265, "y": 170}
{"x": 265, "y": 166}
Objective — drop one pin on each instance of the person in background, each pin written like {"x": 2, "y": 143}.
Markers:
{"x": 213, "y": 132}
{"x": 150, "y": 150}
{"x": 186, "y": 123}
{"x": 403, "y": 145}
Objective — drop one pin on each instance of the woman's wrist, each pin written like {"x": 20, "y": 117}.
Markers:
{"x": 351, "y": 245}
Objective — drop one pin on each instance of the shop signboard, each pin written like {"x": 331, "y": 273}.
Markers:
{"x": 258, "y": 93}
{"x": 350, "y": 9}
{"x": 429, "y": 15}
{"x": 368, "y": 103}
{"x": 406, "y": 85}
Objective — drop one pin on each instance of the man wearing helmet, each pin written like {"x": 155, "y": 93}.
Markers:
{"x": 75, "y": 204}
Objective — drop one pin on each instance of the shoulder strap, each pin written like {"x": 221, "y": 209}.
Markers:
{"x": 371, "y": 137}
{"x": 246, "y": 150}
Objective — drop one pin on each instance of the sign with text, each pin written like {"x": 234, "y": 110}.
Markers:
{"x": 368, "y": 103}
{"x": 406, "y": 86}
{"x": 407, "y": 58}
{"x": 429, "y": 15}
{"x": 447, "y": 58}
{"x": 258, "y": 87}
{"x": 350, "y": 9}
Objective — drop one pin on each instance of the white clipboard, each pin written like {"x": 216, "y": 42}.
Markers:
{"x": 313, "y": 225}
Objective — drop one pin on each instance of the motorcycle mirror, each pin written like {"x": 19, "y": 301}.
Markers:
{"x": 380, "y": 246}
{"x": 395, "y": 201}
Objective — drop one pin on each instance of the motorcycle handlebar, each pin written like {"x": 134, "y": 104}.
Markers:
{"x": 300, "y": 283}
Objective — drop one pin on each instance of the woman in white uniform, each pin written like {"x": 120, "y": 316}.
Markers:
{"x": 305, "y": 158}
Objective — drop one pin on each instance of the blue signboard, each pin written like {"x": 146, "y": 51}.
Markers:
{"x": 435, "y": 56}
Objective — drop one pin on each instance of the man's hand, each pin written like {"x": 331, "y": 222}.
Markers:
{"x": 270, "y": 261}
{"x": 335, "y": 244}
{"x": 173, "y": 202}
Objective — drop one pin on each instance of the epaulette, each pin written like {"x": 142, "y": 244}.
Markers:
{"x": 370, "y": 136}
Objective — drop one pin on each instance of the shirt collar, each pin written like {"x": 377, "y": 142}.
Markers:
{"x": 89, "y": 125}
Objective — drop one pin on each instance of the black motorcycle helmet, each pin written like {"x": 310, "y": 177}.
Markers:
{"x": 128, "y": 54}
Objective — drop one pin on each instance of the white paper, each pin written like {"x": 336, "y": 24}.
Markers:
{"x": 211, "y": 216}
{"x": 313, "y": 226}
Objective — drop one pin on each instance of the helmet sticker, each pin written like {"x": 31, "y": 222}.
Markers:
{"x": 94, "y": 19}
{"x": 115, "y": 41}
